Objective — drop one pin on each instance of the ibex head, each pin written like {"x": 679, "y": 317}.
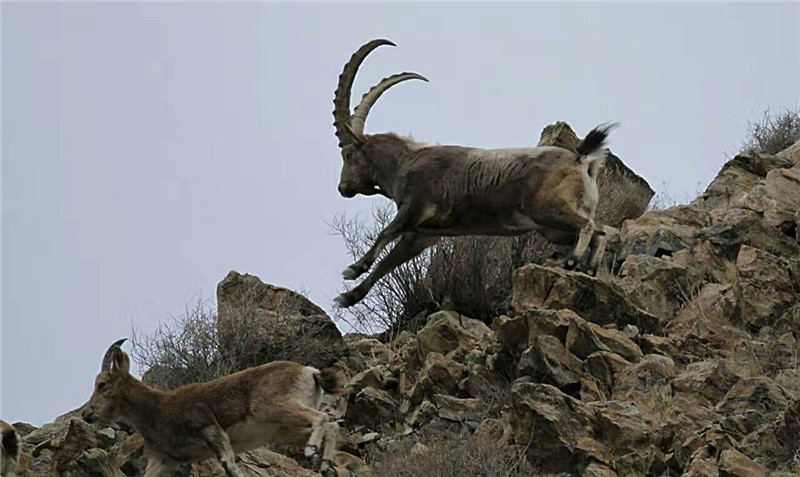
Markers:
{"x": 108, "y": 386}
{"x": 358, "y": 172}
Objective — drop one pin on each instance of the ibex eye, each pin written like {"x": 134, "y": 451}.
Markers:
{"x": 101, "y": 386}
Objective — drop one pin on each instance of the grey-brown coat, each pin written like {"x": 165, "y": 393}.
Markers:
{"x": 445, "y": 190}
{"x": 275, "y": 403}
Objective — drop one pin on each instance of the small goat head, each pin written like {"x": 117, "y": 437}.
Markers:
{"x": 103, "y": 405}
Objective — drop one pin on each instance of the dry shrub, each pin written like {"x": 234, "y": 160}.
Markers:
{"x": 398, "y": 297}
{"x": 470, "y": 275}
{"x": 454, "y": 454}
{"x": 773, "y": 133}
{"x": 188, "y": 349}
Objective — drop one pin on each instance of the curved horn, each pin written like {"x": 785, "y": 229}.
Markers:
{"x": 368, "y": 100}
{"x": 110, "y": 354}
{"x": 341, "y": 99}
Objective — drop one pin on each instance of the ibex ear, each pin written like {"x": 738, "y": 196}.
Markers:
{"x": 121, "y": 364}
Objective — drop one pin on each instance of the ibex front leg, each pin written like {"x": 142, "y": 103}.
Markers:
{"x": 406, "y": 218}
{"x": 409, "y": 246}
{"x": 217, "y": 440}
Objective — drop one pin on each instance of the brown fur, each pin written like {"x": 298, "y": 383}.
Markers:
{"x": 456, "y": 190}
{"x": 269, "y": 404}
{"x": 10, "y": 449}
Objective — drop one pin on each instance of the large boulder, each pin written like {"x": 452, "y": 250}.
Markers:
{"x": 656, "y": 285}
{"x": 706, "y": 382}
{"x": 623, "y": 193}
{"x": 765, "y": 287}
{"x": 751, "y": 402}
{"x": 737, "y": 178}
{"x": 660, "y": 233}
{"x": 555, "y": 429}
{"x": 595, "y": 300}
{"x": 448, "y": 331}
{"x": 258, "y": 322}
{"x": 777, "y": 198}
{"x": 549, "y": 362}
{"x": 734, "y": 227}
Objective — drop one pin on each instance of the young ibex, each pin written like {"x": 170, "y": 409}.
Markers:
{"x": 454, "y": 190}
{"x": 10, "y": 449}
{"x": 275, "y": 403}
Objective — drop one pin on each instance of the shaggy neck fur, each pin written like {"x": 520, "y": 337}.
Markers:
{"x": 140, "y": 405}
{"x": 387, "y": 152}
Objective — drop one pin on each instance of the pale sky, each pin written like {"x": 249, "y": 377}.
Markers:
{"x": 148, "y": 149}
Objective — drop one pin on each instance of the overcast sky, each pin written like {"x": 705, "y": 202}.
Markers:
{"x": 148, "y": 149}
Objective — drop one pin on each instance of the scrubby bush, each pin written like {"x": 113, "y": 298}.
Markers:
{"x": 773, "y": 133}
{"x": 453, "y": 454}
{"x": 471, "y": 275}
{"x": 188, "y": 349}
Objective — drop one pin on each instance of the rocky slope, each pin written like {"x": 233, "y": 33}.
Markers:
{"x": 684, "y": 361}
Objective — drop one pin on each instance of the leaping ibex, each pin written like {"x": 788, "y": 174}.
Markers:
{"x": 454, "y": 190}
{"x": 275, "y": 403}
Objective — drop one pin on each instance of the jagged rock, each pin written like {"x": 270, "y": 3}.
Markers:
{"x": 548, "y": 361}
{"x": 661, "y": 233}
{"x": 98, "y": 463}
{"x": 373, "y": 351}
{"x": 791, "y": 153}
{"x": 789, "y": 379}
{"x": 591, "y": 391}
{"x": 482, "y": 381}
{"x": 702, "y": 465}
{"x": 775, "y": 443}
{"x": 750, "y": 401}
{"x": 493, "y": 430}
{"x": 276, "y": 322}
{"x": 372, "y": 408}
{"x": 447, "y": 331}
{"x": 645, "y": 461}
{"x": 423, "y": 414}
{"x": 106, "y": 436}
{"x": 605, "y": 366}
{"x": 703, "y": 265}
{"x": 354, "y": 466}
{"x": 657, "y": 286}
{"x": 460, "y": 410}
{"x": 598, "y": 470}
{"x": 736, "y": 178}
{"x": 732, "y": 228}
{"x": 375, "y": 377}
{"x": 585, "y": 338}
{"x": 777, "y": 198}
{"x": 764, "y": 288}
{"x": 593, "y": 299}
{"x": 439, "y": 375}
{"x": 650, "y": 371}
{"x": 79, "y": 437}
{"x": 556, "y": 426}
{"x": 622, "y": 425}
{"x": 707, "y": 382}
{"x": 652, "y": 344}
{"x": 260, "y": 462}
{"x": 514, "y": 334}
{"x": 735, "y": 464}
